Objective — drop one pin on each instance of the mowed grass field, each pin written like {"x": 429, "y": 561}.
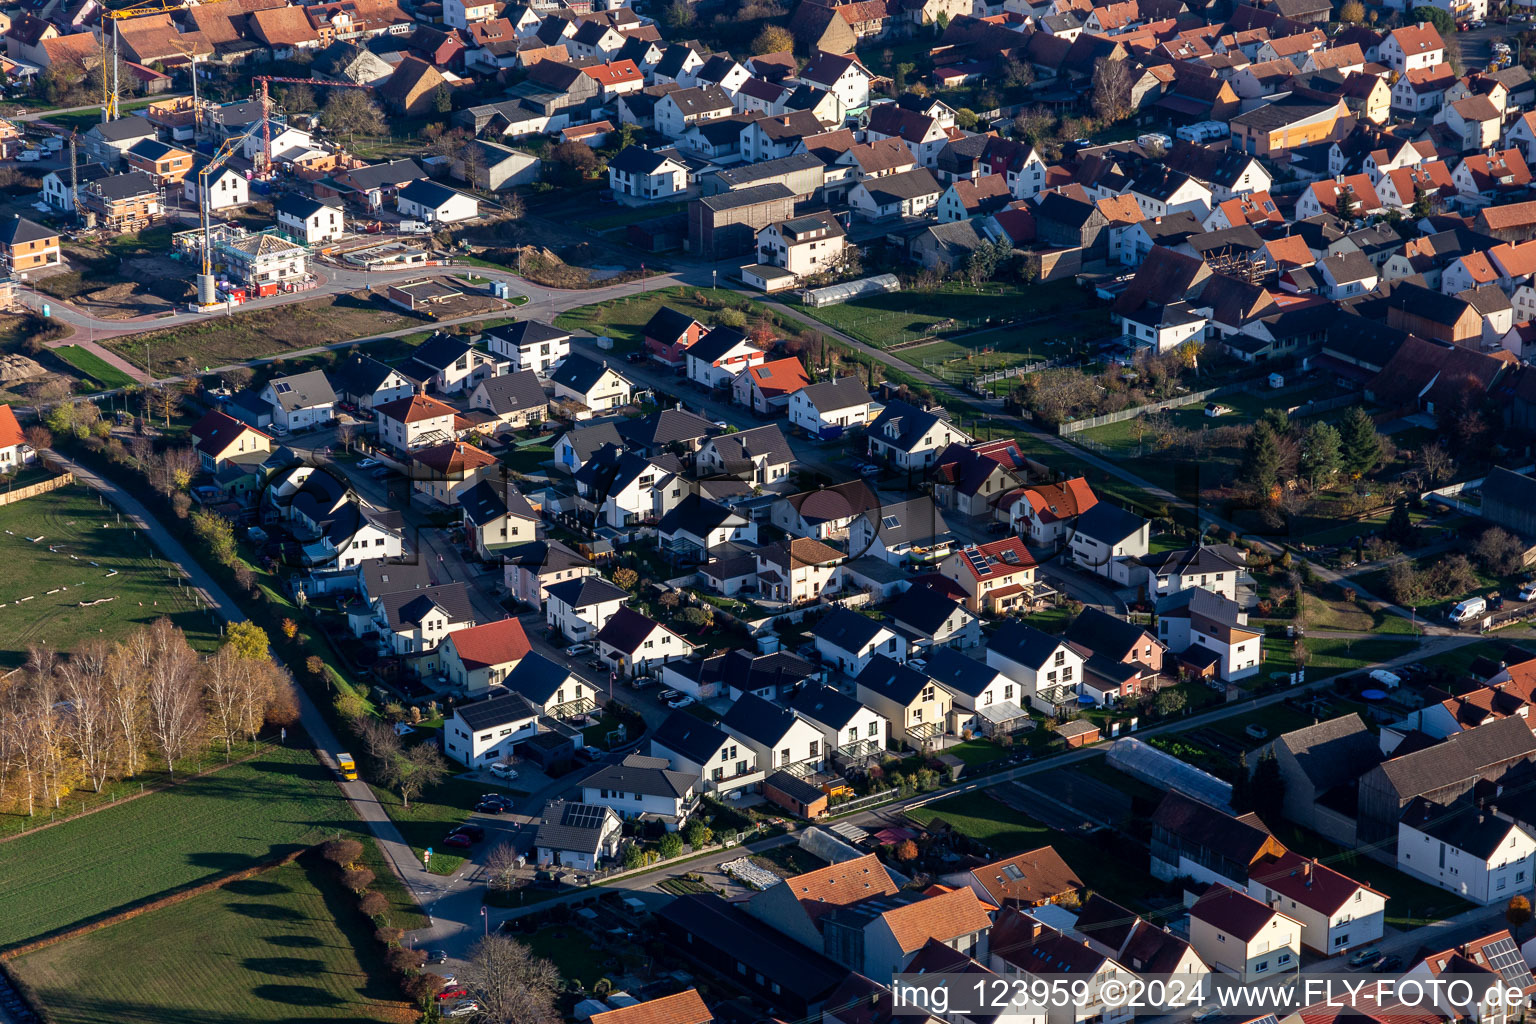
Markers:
{"x": 282, "y": 946}
{"x": 624, "y": 319}
{"x": 106, "y": 862}
{"x": 87, "y": 544}
{"x": 885, "y": 320}
{"x": 93, "y": 366}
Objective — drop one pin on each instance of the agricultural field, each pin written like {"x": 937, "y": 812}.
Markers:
{"x": 62, "y": 549}
{"x": 240, "y": 337}
{"x": 283, "y": 945}
{"x": 624, "y": 319}
{"x": 142, "y": 849}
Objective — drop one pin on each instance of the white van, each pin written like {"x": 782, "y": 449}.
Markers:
{"x": 1471, "y": 608}
{"x": 29, "y": 155}
{"x": 1386, "y": 680}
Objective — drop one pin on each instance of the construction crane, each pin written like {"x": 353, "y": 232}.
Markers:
{"x": 205, "y": 287}
{"x": 109, "y": 83}
{"x": 266, "y": 108}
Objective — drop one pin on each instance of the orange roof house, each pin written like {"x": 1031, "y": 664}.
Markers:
{"x": 767, "y": 386}
{"x": 683, "y": 1008}
{"x": 481, "y": 656}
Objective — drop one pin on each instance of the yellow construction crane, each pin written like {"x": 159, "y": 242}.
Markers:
{"x": 109, "y": 23}
{"x": 205, "y": 287}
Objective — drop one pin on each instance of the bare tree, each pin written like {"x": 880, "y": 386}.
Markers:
{"x": 511, "y": 985}
{"x": 173, "y": 693}
{"x": 126, "y": 673}
{"x": 1436, "y": 462}
{"x": 83, "y": 684}
{"x": 226, "y": 686}
{"x": 501, "y": 864}
{"x": 1111, "y": 89}
{"x": 414, "y": 770}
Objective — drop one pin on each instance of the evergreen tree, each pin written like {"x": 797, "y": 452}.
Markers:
{"x": 1261, "y": 461}
{"x": 1320, "y": 453}
{"x": 1268, "y": 789}
{"x": 1423, "y": 206}
{"x": 1360, "y": 444}
{"x": 1242, "y": 786}
{"x": 1399, "y": 528}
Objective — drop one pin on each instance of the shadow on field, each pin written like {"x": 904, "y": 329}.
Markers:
{"x": 295, "y": 995}
{"x": 294, "y": 941}
{"x": 266, "y": 912}
{"x": 255, "y": 887}
{"x": 283, "y": 966}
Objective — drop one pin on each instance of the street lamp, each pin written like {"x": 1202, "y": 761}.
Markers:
{"x": 487, "y": 919}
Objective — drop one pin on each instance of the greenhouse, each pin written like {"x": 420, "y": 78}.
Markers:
{"x": 1165, "y": 771}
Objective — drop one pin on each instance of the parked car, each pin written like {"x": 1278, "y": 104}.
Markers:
{"x": 503, "y": 771}
{"x": 1365, "y": 956}
{"x": 1390, "y": 962}
{"x": 457, "y": 992}
{"x": 368, "y": 463}
{"x": 668, "y": 695}
{"x": 469, "y": 828}
{"x": 493, "y": 803}
{"x": 465, "y": 1009}
{"x": 1528, "y": 591}
{"x": 459, "y": 840}
{"x": 576, "y": 650}
{"x": 437, "y": 956}
{"x": 869, "y": 469}
{"x": 680, "y": 702}
{"x": 642, "y": 682}
{"x": 1205, "y": 1013}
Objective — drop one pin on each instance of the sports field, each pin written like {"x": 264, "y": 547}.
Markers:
{"x": 141, "y": 849}
{"x": 282, "y": 946}
{"x": 62, "y": 550}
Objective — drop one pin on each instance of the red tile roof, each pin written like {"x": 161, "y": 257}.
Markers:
{"x": 495, "y": 643}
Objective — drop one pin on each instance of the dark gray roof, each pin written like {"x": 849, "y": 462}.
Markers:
{"x": 842, "y": 393}
{"x": 696, "y": 516}
{"x": 825, "y": 705}
{"x": 1196, "y": 559}
{"x": 124, "y": 186}
{"x": 544, "y": 555}
{"x": 910, "y": 423}
{"x": 1108, "y": 524}
{"x": 715, "y": 924}
{"x": 736, "y": 177}
{"x": 892, "y": 679}
{"x": 585, "y": 441}
{"x": 360, "y": 376}
{"x": 571, "y": 825}
{"x": 440, "y": 351}
{"x": 1023, "y": 643}
{"x": 1107, "y": 634}
{"x": 637, "y": 773}
{"x": 668, "y": 324}
{"x": 514, "y": 392}
{"x": 740, "y": 450}
{"x": 958, "y": 673}
{"x": 662, "y": 428}
{"x": 1334, "y": 752}
{"x": 894, "y": 188}
{"x": 715, "y": 344}
{"x": 536, "y": 678}
{"x": 922, "y": 609}
{"x": 497, "y": 710}
{"x": 428, "y": 193}
{"x": 639, "y": 160}
{"x": 407, "y": 608}
{"x": 916, "y": 519}
{"x": 587, "y": 591}
{"x": 381, "y": 577}
{"x": 394, "y": 172}
{"x": 626, "y": 630}
{"x": 1461, "y": 757}
{"x": 487, "y": 501}
{"x": 847, "y": 629}
{"x": 750, "y": 196}
{"x": 526, "y": 332}
{"x": 758, "y": 720}
{"x": 579, "y": 373}
{"x": 124, "y": 128}
{"x": 1460, "y": 825}
{"x": 690, "y": 736}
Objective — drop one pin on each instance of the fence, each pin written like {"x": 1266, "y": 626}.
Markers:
{"x": 1326, "y": 405}
{"x": 33, "y": 490}
{"x": 1073, "y": 426}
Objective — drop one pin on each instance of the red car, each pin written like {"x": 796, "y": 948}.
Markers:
{"x": 460, "y": 840}
{"x": 453, "y": 993}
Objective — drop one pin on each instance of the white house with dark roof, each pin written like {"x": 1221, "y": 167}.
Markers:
{"x": 309, "y": 220}
{"x": 847, "y": 641}
{"x": 691, "y": 745}
{"x": 716, "y": 358}
{"x": 933, "y": 620}
{"x": 1242, "y": 937}
{"x": 550, "y": 687}
{"x": 432, "y": 203}
{"x": 1169, "y": 572}
{"x": 1047, "y": 668}
{"x": 301, "y": 401}
{"x": 760, "y": 455}
{"x": 1110, "y": 541}
{"x": 831, "y": 408}
{"x": 643, "y": 787}
{"x": 697, "y": 526}
{"x": 1479, "y": 856}
{"x": 842, "y": 75}
{"x": 364, "y": 382}
{"x": 448, "y": 364}
{"x": 483, "y": 732}
{"x": 851, "y": 729}
{"x": 911, "y": 438}
{"x": 575, "y": 835}
{"x": 573, "y": 448}
{"x": 496, "y": 517}
{"x": 592, "y": 382}
{"x": 578, "y": 608}
{"x": 986, "y": 701}
{"x": 528, "y": 570}
{"x": 634, "y": 644}
{"x": 1210, "y": 634}
{"x": 901, "y": 533}
{"x": 528, "y": 344}
{"x": 780, "y": 739}
{"x": 419, "y": 620}
{"x": 646, "y": 175}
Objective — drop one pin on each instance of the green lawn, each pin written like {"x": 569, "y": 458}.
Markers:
{"x": 83, "y": 554}
{"x": 431, "y": 816}
{"x": 1007, "y": 831}
{"x": 624, "y": 320}
{"x": 93, "y": 366}
{"x": 142, "y": 849}
{"x": 287, "y": 945}
{"x": 1335, "y": 654}
{"x": 885, "y": 320}
{"x": 977, "y": 752}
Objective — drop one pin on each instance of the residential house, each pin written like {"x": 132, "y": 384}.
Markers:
{"x": 529, "y": 345}
{"x": 1048, "y": 669}
{"x": 970, "y": 478}
{"x": 1030, "y": 879}
{"x": 1025, "y": 951}
{"x": 1201, "y": 565}
{"x": 932, "y": 620}
{"x": 528, "y": 570}
{"x": 1336, "y": 913}
{"x": 720, "y": 355}
{"x": 831, "y": 408}
{"x": 591, "y": 382}
{"x": 798, "y": 570}
{"x": 998, "y": 577}
{"x": 1482, "y": 857}
{"x": 419, "y": 421}
{"x": 669, "y": 334}
{"x": 696, "y": 526}
{"x": 27, "y": 245}
{"x": 647, "y": 175}
{"x": 1108, "y": 540}
{"x": 634, "y": 644}
{"x": 431, "y": 203}
{"x": 550, "y": 687}
{"x": 511, "y": 401}
{"x": 447, "y": 364}
{"x": 302, "y": 401}
{"x": 916, "y": 707}
{"x": 643, "y": 787}
{"x": 580, "y": 836}
{"x": 852, "y": 732}
{"x": 419, "y": 620}
{"x": 910, "y": 531}
{"x": 907, "y": 194}
{"x": 216, "y": 438}
{"x": 824, "y": 514}
{"x": 582, "y": 606}
{"x": 985, "y": 701}
{"x": 847, "y": 641}
{"x": 693, "y": 746}
{"x": 444, "y": 472}
{"x": 759, "y": 456}
{"x": 496, "y": 517}
{"x": 482, "y": 732}
{"x": 366, "y": 384}
{"x": 1047, "y": 513}
{"x": 1242, "y": 937}
{"x": 779, "y": 739}
{"x": 882, "y": 935}
{"x": 308, "y": 220}
{"x": 477, "y": 658}
{"x": 908, "y": 437}
{"x": 1210, "y": 634}
{"x": 767, "y": 388}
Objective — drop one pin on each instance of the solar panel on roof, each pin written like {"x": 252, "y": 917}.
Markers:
{"x": 1504, "y": 956}
{"x": 890, "y": 522}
